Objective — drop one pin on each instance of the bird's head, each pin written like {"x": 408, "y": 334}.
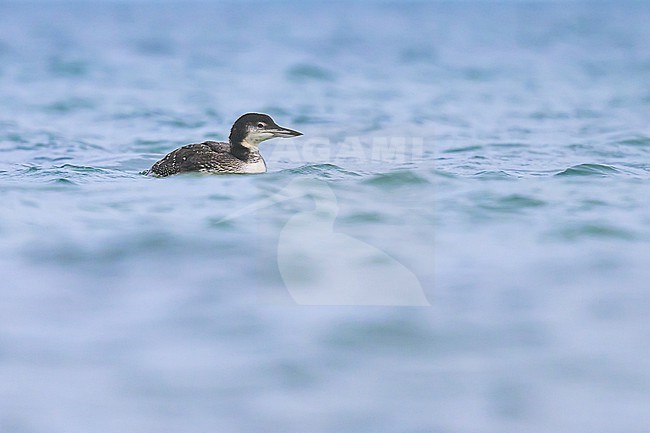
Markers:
{"x": 253, "y": 128}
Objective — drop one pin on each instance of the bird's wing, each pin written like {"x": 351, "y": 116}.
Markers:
{"x": 206, "y": 156}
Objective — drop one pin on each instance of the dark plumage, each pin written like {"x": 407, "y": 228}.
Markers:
{"x": 240, "y": 155}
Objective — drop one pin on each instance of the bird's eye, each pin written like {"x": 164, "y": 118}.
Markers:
{"x": 261, "y": 125}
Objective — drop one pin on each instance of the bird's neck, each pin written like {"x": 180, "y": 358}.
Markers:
{"x": 243, "y": 150}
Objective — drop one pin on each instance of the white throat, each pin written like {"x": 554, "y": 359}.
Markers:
{"x": 254, "y": 138}
{"x": 250, "y": 144}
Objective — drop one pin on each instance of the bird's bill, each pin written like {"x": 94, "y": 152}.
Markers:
{"x": 284, "y": 132}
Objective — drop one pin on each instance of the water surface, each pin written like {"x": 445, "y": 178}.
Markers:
{"x": 498, "y": 152}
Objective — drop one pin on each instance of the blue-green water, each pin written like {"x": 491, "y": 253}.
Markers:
{"x": 494, "y": 156}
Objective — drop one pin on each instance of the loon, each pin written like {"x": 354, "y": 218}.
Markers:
{"x": 240, "y": 155}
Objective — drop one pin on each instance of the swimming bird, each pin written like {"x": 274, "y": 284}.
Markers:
{"x": 240, "y": 155}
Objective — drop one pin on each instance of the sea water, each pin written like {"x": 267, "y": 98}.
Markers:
{"x": 472, "y": 186}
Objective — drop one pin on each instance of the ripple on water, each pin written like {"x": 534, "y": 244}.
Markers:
{"x": 307, "y": 119}
{"x": 305, "y": 72}
{"x": 325, "y": 171}
{"x": 596, "y": 231}
{"x": 364, "y": 217}
{"x": 493, "y": 175}
{"x": 69, "y": 105}
{"x": 590, "y": 170}
{"x": 181, "y": 122}
{"x": 462, "y": 149}
{"x": 512, "y": 203}
{"x": 397, "y": 179}
{"x": 508, "y": 145}
{"x": 156, "y": 146}
{"x": 638, "y": 141}
{"x": 66, "y": 174}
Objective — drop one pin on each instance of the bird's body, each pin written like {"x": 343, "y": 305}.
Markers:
{"x": 240, "y": 155}
{"x": 208, "y": 157}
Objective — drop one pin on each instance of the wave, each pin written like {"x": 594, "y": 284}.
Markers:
{"x": 397, "y": 179}
{"x": 64, "y": 174}
{"x": 325, "y": 171}
{"x": 590, "y": 170}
